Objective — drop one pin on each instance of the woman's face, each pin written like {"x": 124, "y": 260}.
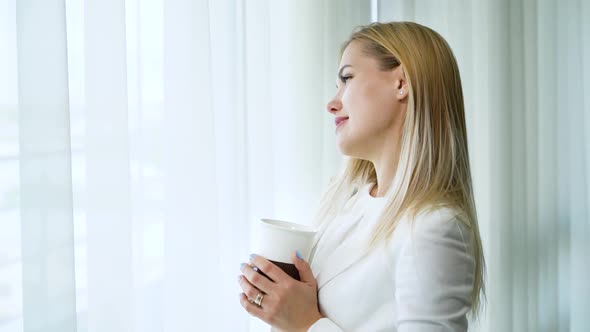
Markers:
{"x": 370, "y": 100}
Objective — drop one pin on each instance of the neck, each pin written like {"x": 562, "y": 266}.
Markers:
{"x": 385, "y": 168}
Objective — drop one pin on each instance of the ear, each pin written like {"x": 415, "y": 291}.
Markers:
{"x": 401, "y": 84}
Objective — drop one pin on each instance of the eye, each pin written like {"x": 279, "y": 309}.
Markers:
{"x": 344, "y": 79}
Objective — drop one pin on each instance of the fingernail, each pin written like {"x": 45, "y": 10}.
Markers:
{"x": 298, "y": 254}
{"x": 252, "y": 256}
{"x": 239, "y": 278}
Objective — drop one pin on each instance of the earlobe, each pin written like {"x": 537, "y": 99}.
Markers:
{"x": 400, "y": 85}
{"x": 401, "y": 95}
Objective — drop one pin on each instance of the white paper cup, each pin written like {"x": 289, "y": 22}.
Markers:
{"x": 276, "y": 241}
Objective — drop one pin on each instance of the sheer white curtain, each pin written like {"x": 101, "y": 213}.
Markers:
{"x": 526, "y": 78}
{"x": 140, "y": 140}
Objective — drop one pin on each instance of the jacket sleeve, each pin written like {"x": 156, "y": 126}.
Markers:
{"x": 322, "y": 325}
{"x": 325, "y": 325}
{"x": 434, "y": 277}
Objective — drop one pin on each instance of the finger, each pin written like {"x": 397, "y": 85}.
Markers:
{"x": 268, "y": 268}
{"x": 248, "y": 289}
{"x": 305, "y": 273}
{"x": 258, "y": 280}
{"x": 251, "y": 308}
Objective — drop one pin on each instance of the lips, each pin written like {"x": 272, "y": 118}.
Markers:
{"x": 340, "y": 119}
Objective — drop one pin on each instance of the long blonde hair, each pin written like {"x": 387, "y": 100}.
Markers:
{"x": 433, "y": 169}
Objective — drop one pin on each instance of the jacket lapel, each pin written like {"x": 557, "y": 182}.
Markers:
{"x": 350, "y": 251}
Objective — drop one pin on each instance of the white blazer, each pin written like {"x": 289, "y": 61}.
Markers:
{"x": 420, "y": 282}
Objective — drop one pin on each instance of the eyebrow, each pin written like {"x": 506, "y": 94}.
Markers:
{"x": 341, "y": 69}
{"x": 340, "y": 72}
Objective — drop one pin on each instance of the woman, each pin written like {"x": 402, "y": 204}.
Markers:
{"x": 399, "y": 248}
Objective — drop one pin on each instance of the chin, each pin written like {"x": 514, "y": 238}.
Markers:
{"x": 347, "y": 149}
{"x": 353, "y": 147}
{"x": 342, "y": 145}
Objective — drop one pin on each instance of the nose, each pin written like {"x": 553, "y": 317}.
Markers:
{"x": 334, "y": 106}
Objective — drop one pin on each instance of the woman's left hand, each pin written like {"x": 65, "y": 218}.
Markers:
{"x": 288, "y": 304}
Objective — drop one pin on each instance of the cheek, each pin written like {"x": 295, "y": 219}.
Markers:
{"x": 357, "y": 106}
{"x": 369, "y": 105}
{"x": 356, "y": 97}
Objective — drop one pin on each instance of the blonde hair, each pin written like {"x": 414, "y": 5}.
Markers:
{"x": 433, "y": 169}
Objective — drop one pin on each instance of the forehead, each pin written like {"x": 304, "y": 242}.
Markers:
{"x": 354, "y": 55}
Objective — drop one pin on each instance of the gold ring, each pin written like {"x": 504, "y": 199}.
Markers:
{"x": 258, "y": 299}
